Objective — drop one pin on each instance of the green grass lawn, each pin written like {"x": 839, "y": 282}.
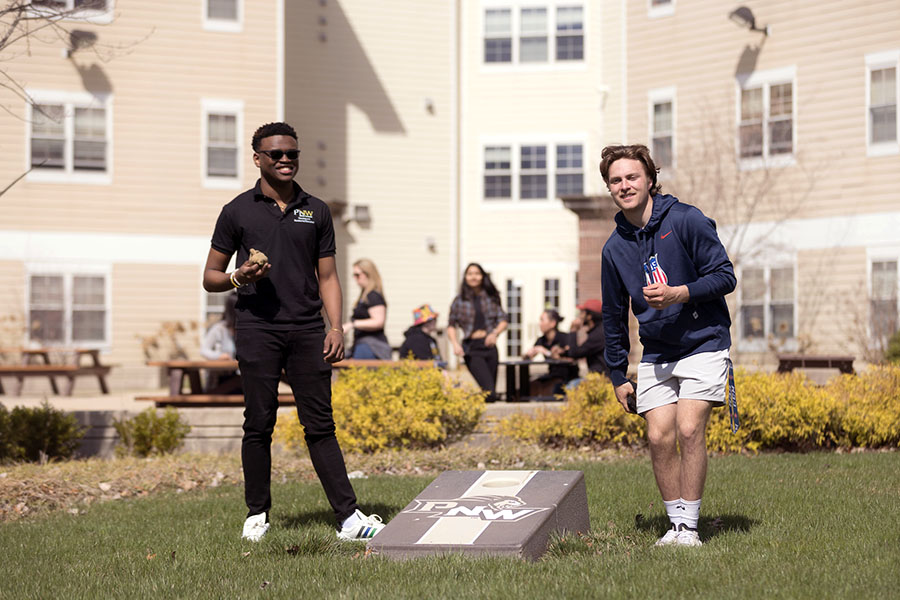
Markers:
{"x": 774, "y": 526}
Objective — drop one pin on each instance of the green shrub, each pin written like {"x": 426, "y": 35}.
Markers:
{"x": 8, "y": 449}
{"x": 591, "y": 415}
{"x": 39, "y": 433}
{"x": 394, "y": 407}
{"x": 148, "y": 433}
{"x": 892, "y": 354}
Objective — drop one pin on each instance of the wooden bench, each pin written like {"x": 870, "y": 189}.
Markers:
{"x": 206, "y": 400}
{"x": 789, "y": 362}
{"x": 30, "y": 368}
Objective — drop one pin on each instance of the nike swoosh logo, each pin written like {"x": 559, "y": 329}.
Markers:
{"x": 663, "y": 236}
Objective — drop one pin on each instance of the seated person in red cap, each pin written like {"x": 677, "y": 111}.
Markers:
{"x": 419, "y": 344}
{"x": 593, "y": 347}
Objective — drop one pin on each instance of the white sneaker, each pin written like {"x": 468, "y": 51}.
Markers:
{"x": 363, "y": 528}
{"x": 669, "y": 539}
{"x": 687, "y": 537}
{"x": 255, "y": 527}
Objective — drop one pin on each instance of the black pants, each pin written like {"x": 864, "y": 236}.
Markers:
{"x": 262, "y": 355}
{"x": 482, "y": 363}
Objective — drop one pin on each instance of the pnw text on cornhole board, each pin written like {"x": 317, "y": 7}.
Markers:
{"x": 487, "y": 512}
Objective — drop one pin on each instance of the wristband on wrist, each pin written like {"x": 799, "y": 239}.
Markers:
{"x": 338, "y": 329}
{"x": 234, "y": 280}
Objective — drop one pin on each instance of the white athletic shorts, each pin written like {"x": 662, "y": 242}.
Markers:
{"x": 697, "y": 377}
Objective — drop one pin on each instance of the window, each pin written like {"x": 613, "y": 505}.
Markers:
{"x": 68, "y": 308}
{"x": 69, "y": 138}
{"x": 569, "y": 170}
{"x": 660, "y": 8}
{"x": 551, "y": 294}
{"x": 222, "y": 124}
{"x": 766, "y": 116}
{"x": 546, "y": 34}
{"x": 533, "y": 172}
{"x": 884, "y": 321}
{"x": 95, "y": 11}
{"x": 223, "y": 15}
{"x": 535, "y": 175}
{"x": 662, "y": 127}
{"x": 498, "y": 36}
{"x": 767, "y": 303}
{"x": 215, "y": 307}
{"x": 497, "y": 173}
{"x": 882, "y": 92}
{"x": 533, "y": 39}
{"x": 569, "y": 33}
{"x": 514, "y": 309}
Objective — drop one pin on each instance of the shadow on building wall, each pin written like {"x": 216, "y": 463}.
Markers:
{"x": 327, "y": 71}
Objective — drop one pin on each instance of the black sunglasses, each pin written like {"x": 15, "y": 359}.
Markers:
{"x": 277, "y": 154}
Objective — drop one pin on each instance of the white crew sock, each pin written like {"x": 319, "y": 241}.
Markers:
{"x": 691, "y": 512}
{"x": 675, "y": 511}
{"x": 351, "y": 520}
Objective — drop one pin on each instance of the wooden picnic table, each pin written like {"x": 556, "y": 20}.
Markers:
{"x": 179, "y": 370}
{"x": 789, "y": 362}
{"x": 36, "y": 362}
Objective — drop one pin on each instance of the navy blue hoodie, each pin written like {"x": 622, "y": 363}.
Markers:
{"x": 679, "y": 246}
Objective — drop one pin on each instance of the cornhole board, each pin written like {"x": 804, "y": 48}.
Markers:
{"x": 506, "y": 513}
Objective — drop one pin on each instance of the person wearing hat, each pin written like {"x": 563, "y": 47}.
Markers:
{"x": 593, "y": 348}
{"x": 419, "y": 344}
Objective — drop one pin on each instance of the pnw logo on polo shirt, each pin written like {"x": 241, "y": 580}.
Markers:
{"x": 303, "y": 216}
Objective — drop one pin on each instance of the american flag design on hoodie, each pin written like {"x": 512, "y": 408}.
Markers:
{"x": 654, "y": 273}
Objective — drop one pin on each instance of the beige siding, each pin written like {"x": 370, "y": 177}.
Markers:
{"x": 158, "y": 63}
{"x": 816, "y": 210}
{"x": 361, "y": 77}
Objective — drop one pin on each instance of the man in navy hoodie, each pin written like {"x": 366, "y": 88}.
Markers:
{"x": 666, "y": 258}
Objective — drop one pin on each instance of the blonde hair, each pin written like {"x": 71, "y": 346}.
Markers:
{"x": 374, "y": 285}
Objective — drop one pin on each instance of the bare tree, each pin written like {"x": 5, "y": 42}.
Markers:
{"x": 24, "y": 23}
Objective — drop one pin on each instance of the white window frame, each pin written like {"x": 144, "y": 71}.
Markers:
{"x": 551, "y": 292}
{"x": 874, "y": 62}
{"x": 557, "y": 170}
{"x": 222, "y": 107}
{"x": 762, "y": 344}
{"x": 666, "y": 9}
{"x": 552, "y": 63}
{"x": 515, "y": 145}
{"x": 516, "y": 327}
{"x": 224, "y": 25}
{"x": 765, "y": 80}
{"x": 68, "y": 271}
{"x": 69, "y": 100}
{"x": 660, "y": 96}
{"x": 99, "y": 17}
{"x": 881, "y": 255}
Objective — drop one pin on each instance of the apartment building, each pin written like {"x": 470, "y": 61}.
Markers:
{"x": 136, "y": 134}
{"x": 779, "y": 120}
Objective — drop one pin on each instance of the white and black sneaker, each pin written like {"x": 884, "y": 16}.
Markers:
{"x": 255, "y": 527}
{"x": 670, "y": 538}
{"x": 360, "y": 527}
{"x": 687, "y": 536}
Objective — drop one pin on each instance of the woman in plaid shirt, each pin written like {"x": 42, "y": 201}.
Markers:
{"x": 477, "y": 312}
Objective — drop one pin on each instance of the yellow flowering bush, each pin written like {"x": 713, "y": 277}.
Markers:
{"x": 777, "y": 411}
{"x": 394, "y": 407}
{"x": 591, "y": 414}
{"x": 786, "y": 411}
{"x": 867, "y": 407}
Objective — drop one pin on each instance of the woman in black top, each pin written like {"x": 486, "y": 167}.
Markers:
{"x": 478, "y": 313}
{"x": 369, "y": 314}
{"x": 557, "y": 375}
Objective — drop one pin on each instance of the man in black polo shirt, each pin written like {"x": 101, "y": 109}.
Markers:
{"x": 592, "y": 349}
{"x": 279, "y": 324}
